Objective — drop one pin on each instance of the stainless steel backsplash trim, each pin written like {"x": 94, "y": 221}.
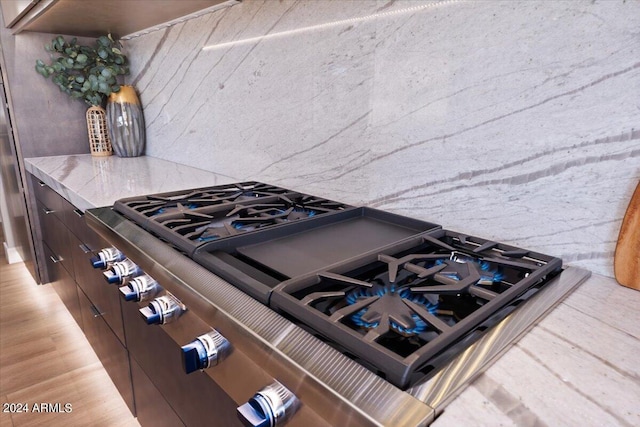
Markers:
{"x": 450, "y": 381}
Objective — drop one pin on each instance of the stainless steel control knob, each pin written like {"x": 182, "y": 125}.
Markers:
{"x": 162, "y": 310}
{"x": 272, "y": 406}
{"x": 105, "y": 257}
{"x": 205, "y": 351}
{"x": 120, "y": 271}
{"x": 141, "y": 288}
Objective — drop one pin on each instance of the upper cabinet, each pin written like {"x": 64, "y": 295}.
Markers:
{"x": 13, "y": 10}
{"x": 93, "y": 18}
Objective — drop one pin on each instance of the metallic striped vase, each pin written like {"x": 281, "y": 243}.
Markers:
{"x": 126, "y": 122}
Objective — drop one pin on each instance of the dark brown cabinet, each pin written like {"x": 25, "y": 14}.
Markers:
{"x": 108, "y": 348}
{"x": 143, "y": 361}
{"x": 58, "y": 260}
{"x": 104, "y": 297}
{"x": 151, "y": 407}
{"x": 68, "y": 245}
{"x": 64, "y": 285}
{"x": 56, "y": 237}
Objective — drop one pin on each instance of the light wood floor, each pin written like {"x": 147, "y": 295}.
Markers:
{"x": 44, "y": 358}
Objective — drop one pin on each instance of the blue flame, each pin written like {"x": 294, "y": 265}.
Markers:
{"x": 496, "y": 275}
{"x": 207, "y": 239}
{"x": 238, "y": 225}
{"x": 420, "y": 326}
{"x": 308, "y": 212}
{"x": 357, "y": 319}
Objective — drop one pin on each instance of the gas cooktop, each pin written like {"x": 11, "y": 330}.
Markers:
{"x": 398, "y": 295}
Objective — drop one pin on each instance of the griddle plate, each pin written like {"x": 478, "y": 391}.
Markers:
{"x": 303, "y": 253}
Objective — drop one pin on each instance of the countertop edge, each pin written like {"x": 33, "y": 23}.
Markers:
{"x": 89, "y": 182}
{"x": 70, "y": 195}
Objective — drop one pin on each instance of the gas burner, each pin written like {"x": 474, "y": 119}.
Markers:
{"x": 289, "y": 207}
{"x": 460, "y": 266}
{"x": 261, "y": 213}
{"x": 240, "y": 220}
{"x": 167, "y": 203}
{"x": 178, "y": 208}
{"x": 418, "y": 295}
{"x": 386, "y": 309}
{"x": 270, "y": 214}
{"x": 285, "y": 209}
{"x": 152, "y": 206}
{"x": 301, "y": 213}
{"x": 225, "y": 228}
{"x": 203, "y": 227}
{"x": 452, "y": 273}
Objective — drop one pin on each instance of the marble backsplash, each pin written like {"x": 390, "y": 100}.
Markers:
{"x": 517, "y": 121}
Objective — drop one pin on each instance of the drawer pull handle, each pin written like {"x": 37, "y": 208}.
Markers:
{"x": 85, "y": 249}
{"x": 78, "y": 212}
{"x": 96, "y": 312}
{"x": 55, "y": 259}
{"x": 47, "y": 211}
{"x": 42, "y": 184}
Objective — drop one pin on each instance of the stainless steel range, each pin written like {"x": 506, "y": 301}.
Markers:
{"x": 290, "y": 308}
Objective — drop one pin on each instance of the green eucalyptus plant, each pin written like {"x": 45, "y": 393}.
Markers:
{"x": 88, "y": 73}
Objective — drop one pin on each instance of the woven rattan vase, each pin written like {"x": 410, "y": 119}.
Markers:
{"x": 125, "y": 122}
{"x": 98, "y": 135}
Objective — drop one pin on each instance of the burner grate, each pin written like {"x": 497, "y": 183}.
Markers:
{"x": 180, "y": 201}
{"x": 399, "y": 308}
{"x": 189, "y": 219}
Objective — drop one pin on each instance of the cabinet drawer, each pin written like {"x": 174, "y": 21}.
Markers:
{"x": 64, "y": 285}
{"x": 196, "y": 398}
{"x": 78, "y": 226}
{"x": 56, "y": 236}
{"x": 74, "y": 220}
{"x": 151, "y": 407}
{"x": 51, "y": 200}
{"x": 105, "y": 297}
{"x": 112, "y": 354}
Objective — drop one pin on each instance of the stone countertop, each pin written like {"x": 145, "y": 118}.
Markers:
{"x": 89, "y": 182}
{"x": 578, "y": 366}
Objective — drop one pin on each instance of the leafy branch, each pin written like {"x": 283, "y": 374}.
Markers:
{"x": 88, "y": 73}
